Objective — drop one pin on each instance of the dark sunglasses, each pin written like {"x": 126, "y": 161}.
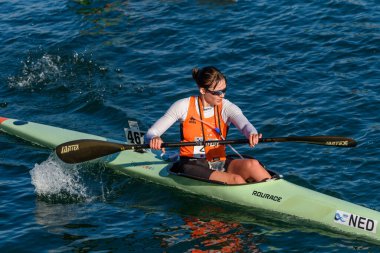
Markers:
{"x": 217, "y": 92}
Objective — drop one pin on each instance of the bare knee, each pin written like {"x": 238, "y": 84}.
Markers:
{"x": 254, "y": 163}
{"x": 236, "y": 179}
{"x": 259, "y": 173}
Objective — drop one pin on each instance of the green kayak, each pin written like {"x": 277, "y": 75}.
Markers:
{"x": 276, "y": 195}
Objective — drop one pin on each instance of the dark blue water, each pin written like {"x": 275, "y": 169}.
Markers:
{"x": 294, "y": 68}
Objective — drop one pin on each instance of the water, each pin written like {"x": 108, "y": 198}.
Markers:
{"x": 295, "y": 68}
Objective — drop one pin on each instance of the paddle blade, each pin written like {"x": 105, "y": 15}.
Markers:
{"x": 85, "y": 150}
{"x": 336, "y": 141}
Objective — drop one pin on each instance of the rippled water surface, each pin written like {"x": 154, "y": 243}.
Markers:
{"x": 295, "y": 68}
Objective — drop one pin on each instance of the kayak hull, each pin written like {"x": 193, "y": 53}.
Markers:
{"x": 277, "y": 196}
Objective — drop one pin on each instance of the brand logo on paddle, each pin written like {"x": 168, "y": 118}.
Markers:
{"x": 69, "y": 148}
{"x": 337, "y": 143}
{"x": 356, "y": 221}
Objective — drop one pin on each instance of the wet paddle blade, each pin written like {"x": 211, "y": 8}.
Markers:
{"x": 336, "y": 141}
{"x": 85, "y": 150}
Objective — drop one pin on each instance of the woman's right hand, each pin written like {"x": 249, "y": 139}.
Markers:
{"x": 254, "y": 139}
{"x": 155, "y": 143}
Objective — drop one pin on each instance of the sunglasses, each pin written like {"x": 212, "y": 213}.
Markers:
{"x": 217, "y": 92}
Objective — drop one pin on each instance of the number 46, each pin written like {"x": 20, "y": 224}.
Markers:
{"x": 134, "y": 137}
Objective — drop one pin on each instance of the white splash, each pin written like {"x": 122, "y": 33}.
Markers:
{"x": 55, "y": 180}
{"x": 37, "y": 72}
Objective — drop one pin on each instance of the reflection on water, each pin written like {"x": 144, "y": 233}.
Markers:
{"x": 101, "y": 14}
{"x": 219, "y": 236}
{"x": 208, "y": 228}
{"x": 54, "y": 217}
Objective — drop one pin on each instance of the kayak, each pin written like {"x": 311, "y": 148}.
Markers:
{"x": 276, "y": 195}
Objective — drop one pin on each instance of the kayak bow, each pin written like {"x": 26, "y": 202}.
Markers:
{"x": 276, "y": 196}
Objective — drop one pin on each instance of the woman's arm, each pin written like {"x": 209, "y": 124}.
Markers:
{"x": 177, "y": 111}
{"x": 232, "y": 113}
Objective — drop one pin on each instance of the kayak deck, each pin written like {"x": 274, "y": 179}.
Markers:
{"x": 277, "y": 195}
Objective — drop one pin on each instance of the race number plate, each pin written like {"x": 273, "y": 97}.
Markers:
{"x": 133, "y": 133}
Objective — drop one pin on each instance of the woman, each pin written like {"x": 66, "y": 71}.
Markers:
{"x": 207, "y": 117}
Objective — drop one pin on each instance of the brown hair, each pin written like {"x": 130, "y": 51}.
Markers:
{"x": 207, "y": 76}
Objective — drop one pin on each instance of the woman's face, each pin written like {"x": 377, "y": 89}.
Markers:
{"x": 214, "y": 96}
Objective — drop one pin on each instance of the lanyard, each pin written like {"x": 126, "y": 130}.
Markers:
{"x": 216, "y": 129}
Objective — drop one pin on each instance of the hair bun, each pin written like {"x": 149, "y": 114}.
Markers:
{"x": 195, "y": 73}
{"x": 207, "y": 76}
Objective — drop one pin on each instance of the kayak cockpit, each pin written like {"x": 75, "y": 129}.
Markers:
{"x": 175, "y": 170}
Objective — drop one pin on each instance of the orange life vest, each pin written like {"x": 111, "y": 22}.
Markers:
{"x": 192, "y": 129}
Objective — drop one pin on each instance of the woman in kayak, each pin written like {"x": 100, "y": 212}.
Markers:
{"x": 207, "y": 117}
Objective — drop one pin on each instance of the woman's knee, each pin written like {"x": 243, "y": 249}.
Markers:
{"x": 254, "y": 163}
{"x": 236, "y": 179}
{"x": 258, "y": 172}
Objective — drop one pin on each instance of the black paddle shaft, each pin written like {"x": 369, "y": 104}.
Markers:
{"x": 78, "y": 151}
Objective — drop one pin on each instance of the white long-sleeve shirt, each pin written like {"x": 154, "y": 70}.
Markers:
{"x": 231, "y": 113}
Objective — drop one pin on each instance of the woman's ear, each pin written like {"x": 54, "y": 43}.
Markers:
{"x": 202, "y": 91}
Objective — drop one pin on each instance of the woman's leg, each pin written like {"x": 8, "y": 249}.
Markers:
{"x": 228, "y": 178}
{"x": 248, "y": 169}
{"x": 238, "y": 171}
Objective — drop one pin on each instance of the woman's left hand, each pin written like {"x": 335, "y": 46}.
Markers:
{"x": 254, "y": 139}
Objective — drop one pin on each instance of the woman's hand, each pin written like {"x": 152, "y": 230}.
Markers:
{"x": 155, "y": 143}
{"x": 254, "y": 139}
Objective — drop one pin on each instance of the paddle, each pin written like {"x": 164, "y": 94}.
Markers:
{"x": 78, "y": 151}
